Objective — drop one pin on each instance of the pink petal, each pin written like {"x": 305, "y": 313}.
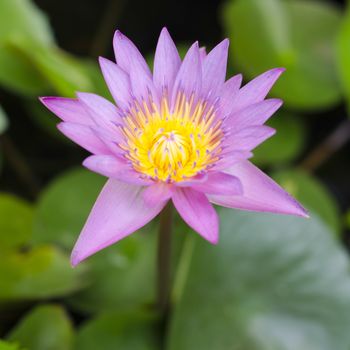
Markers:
{"x": 189, "y": 77}
{"x": 229, "y": 91}
{"x": 202, "y": 53}
{"x": 248, "y": 138}
{"x": 68, "y": 109}
{"x": 221, "y": 184}
{"x": 231, "y": 158}
{"x": 116, "y": 168}
{"x": 197, "y": 212}
{"x": 110, "y": 139}
{"x": 257, "y": 89}
{"x": 118, "y": 83}
{"x": 256, "y": 114}
{"x": 126, "y": 53}
{"x": 260, "y": 193}
{"x": 119, "y": 211}
{"x": 104, "y": 113}
{"x": 84, "y": 136}
{"x": 142, "y": 85}
{"x": 158, "y": 192}
{"x": 214, "y": 69}
{"x": 166, "y": 63}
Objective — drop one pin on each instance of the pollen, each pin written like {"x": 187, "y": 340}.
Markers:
{"x": 172, "y": 145}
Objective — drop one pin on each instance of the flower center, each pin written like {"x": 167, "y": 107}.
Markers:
{"x": 172, "y": 146}
{"x": 169, "y": 151}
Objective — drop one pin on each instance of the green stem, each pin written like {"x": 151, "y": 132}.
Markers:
{"x": 164, "y": 261}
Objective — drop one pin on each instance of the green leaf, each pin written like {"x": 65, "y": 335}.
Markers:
{"x": 113, "y": 331}
{"x": 21, "y": 19}
{"x": 39, "y": 273}
{"x": 8, "y": 346}
{"x": 347, "y": 219}
{"x": 3, "y": 120}
{"x": 16, "y": 222}
{"x": 47, "y": 327}
{"x": 62, "y": 71}
{"x": 273, "y": 282}
{"x": 312, "y": 194}
{"x": 285, "y": 145}
{"x": 343, "y": 53}
{"x": 121, "y": 276}
{"x": 298, "y": 35}
{"x": 44, "y": 118}
{"x": 64, "y": 206}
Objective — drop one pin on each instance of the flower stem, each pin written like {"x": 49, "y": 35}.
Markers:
{"x": 164, "y": 261}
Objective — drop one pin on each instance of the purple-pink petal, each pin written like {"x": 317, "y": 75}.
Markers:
{"x": 142, "y": 85}
{"x": 248, "y": 138}
{"x": 189, "y": 77}
{"x": 166, "y": 63}
{"x": 228, "y": 94}
{"x": 104, "y": 113}
{"x": 126, "y": 53}
{"x": 214, "y": 69}
{"x": 260, "y": 193}
{"x": 118, "y": 83}
{"x": 202, "y": 53}
{"x": 68, "y": 109}
{"x": 255, "y": 114}
{"x": 197, "y": 212}
{"x": 158, "y": 192}
{"x": 220, "y": 183}
{"x": 119, "y": 211}
{"x": 115, "y": 168}
{"x": 84, "y": 136}
{"x": 257, "y": 89}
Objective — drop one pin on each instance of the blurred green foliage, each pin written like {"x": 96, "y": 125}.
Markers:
{"x": 272, "y": 282}
{"x": 267, "y": 285}
{"x": 45, "y": 327}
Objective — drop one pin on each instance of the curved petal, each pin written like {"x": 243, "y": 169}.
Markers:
{"x": 248, "y": 138}
{"x": 84, "y": 136}
{"x": 202, "y": 53}
{"x": 228, "y": 93}
{"x": 214, "y": 69}
{"x": 158, "y": 192}
{"x": 189, "y": 77}
{"x": 115, "y": 168}
{"x": 253, "y": 115}
{"x": 104, "y": 113}
{"x": 221, "y": 184}
{"x": 126, "y": 52}
{"x": 118, "y": 83}
{"x": 166, "y": 63}
{"x": 119, "y": 211}
{"x": 142, "y": 85}
{"x": 260, "y": 193}
{"x": 257, "y": 89}
{"x": 68, "y": 109}
{"x": 230, "y": 159}
{"x": 197, "y": 212}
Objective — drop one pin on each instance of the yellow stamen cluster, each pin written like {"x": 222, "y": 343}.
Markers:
{"x": 172, "y": 145}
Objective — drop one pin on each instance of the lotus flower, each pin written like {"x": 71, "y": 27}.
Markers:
{"x": 182, "y": 133}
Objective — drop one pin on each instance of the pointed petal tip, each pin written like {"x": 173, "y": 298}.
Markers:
{"x": 214, "y": 240}
{"x": 74, "y": 259}
{"x": 164, "y": 31}
{"x": 225, "y": 43}
{"x": 278, "y": 71}
{"x": 103, "y": 60}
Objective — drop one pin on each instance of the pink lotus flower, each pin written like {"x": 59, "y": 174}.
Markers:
{"x": 182, "y": 133}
